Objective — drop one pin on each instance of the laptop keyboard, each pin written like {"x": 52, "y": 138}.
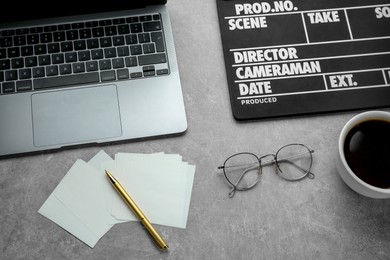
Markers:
{"x": 63, "y": 55}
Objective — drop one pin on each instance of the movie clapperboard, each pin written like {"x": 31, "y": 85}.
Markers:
{"x": 303, "y": 57}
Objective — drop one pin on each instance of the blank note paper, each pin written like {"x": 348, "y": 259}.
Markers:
{"x": 85, "y": 204}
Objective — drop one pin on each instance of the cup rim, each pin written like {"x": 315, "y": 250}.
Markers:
{"x": 347, "y": 127}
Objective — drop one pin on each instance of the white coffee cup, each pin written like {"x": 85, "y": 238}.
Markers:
{"x": 354, "y": 182}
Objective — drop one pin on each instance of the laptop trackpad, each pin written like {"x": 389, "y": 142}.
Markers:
{"x": 76, "y": 116}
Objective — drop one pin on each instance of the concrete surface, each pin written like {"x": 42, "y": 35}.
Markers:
{"x": 310, "y": 219}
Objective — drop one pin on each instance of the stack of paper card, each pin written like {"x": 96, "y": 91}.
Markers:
{"x": 86, "y": 205}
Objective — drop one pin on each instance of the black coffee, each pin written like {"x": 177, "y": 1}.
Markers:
{"x": 367, "y": 151}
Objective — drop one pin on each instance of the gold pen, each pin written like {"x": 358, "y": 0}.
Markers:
{"x": 142, "y": 218}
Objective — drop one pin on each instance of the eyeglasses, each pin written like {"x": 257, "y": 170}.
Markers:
{"x": 292, "y": 162}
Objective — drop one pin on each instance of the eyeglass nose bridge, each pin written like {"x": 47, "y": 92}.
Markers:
{"x": 270, "y": 162}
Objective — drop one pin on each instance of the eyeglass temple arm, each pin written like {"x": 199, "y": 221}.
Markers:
{"x": 309, "y": 173}
{"x": 238, "y": 165}
{"x": 234, "y": 188}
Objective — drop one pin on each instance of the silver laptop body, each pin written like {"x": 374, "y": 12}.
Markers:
{"x": 147, "y": 103}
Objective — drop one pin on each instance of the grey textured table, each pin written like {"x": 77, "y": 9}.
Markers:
{"x": 310, "y": 219}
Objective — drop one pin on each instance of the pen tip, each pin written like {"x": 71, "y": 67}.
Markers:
{"x": 112, "y": 179}
{"x": 109, "y": 174}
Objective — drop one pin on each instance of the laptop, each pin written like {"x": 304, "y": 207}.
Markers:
{"x": 72, "y": 75}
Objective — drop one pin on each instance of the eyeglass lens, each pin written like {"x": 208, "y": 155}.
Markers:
{"x": 294, "y": 161}
{"x": 242, "y": 170}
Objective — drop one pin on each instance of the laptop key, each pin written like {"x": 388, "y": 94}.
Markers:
{"x": 152, "y": 59}
{"x": 17, "y": 63}
{"x": 29, "y": 61}
{"x": 78, "y": 25}
{"x": 131, "y": 61}
{"x": 65, "y": 69}
{"x": 36, "y": 29}
{"x": 105, "y": 64}
{"x": 38, "y": 72}
{"x": 145, "y": 18}
{"x": 50, "y": 28}
{"x": 11, "y": 75}
{"x": 108, "y": 75}
{"x": 143, "y": 37}
{"x": 109, "y": 53}
{"x": 92, "y": 66}
{"x": 59, "y": 36}
{"x": 66, "y": 46}
{"x": 149, "y": 48}
{"x": 118, "y": 63}
{"x": 64, "y": 27}
{"x": 5, "y": 64}
{"x": 97, "y": 54}
{"x": 98, "y": 32}
{"x": 131, "y": 39}
{"x": 6, "y": 42}
{"x": 53, "y": 48}
{"x": 119, "y": 40}
{"x": 13, "y": 52}
{"x": 44, "y": 60}
{"x": 78, "y": 67}
{"x": 71, "y": 56}
{"x": 8, "y": 33}
{"x": 68, "y": 80}
{"x": 122, "y": 74}
{"x": 110, "y": 30}
{"x": 19, "y": 40}
{"x": 105, "y": 22}
{"x": 27, "y": 50}
{"x": 46, "y": 37}
{"x": 24, "y": 85}
{"x": 25, "y": 74}
{"x": 85, "y": 33}
{"x": 72, "y": 35}
{"x": 3, "y": 53}
{"x": 33, "y": 38}
{"x": 84, "y": 55}
{"x": 149, "y": 73}
{"x": 136, "y": 49}
{"x": 133, "y": 19}
{"x": 119, "y": 21}
{"x": 8, "y": 87}
{"x": 136, "y": 75}
{"x": 157, "y": 38}
{"x": 136, "y": 27}
{"x": 152, "y": 26}
{"x": 58, "y": 58}
{"x": 52, "y": 70}
{"x": 123, "y": 29}
{"x": 162, "y": 71}
{"x": 91, "y": 24}
{"x": 93, "y": 43}
{"x": 123, "y": 51}
{"x": 148, "y": 68}
{"x": 80, "y": 45}
{"x": 105, "y": 42}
